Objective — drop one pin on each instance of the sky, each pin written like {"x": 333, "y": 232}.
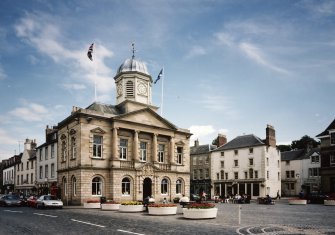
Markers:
{"x": 230, "y": 66}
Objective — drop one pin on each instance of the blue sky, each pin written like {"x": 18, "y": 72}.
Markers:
{"x": 231, "y": 66}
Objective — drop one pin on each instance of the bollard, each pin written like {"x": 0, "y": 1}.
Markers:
{"x": 239, "y": 214}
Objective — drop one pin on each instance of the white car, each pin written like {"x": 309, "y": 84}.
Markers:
{"x": 50, "y": 201}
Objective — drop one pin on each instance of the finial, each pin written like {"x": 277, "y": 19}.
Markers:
{"x": 133, "y": 45}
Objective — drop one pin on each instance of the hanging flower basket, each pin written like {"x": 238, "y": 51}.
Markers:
{"x": 297, "y": 201}
{"x": 200, "y": 211}
{"x": 92, "y": 204}
{"x": 162, "y": 209}
{"x": 131, "y": 206}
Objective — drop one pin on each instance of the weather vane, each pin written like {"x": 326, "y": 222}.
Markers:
{"x": 133, "y": 45}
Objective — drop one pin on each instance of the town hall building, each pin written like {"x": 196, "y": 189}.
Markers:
{"x": 126, "y": 151}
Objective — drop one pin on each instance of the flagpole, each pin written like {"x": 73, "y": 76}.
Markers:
{"x": 163, "y": 75}
{"x": 95, "y": 76}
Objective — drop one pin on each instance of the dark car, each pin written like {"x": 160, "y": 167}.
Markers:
{"x": 195, "y": 197}
{"x": 316, "y": 197}
{"x": 10, "y": 200}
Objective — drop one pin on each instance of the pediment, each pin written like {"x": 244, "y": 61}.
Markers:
{"x": 147, "y": 117}
{"x": 98, "y": 130}
{"x": 148, "y": 169}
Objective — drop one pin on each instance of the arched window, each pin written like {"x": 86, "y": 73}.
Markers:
{"x": 130, "y": 89}
{"x": 73, "y": 148}
{"x": 179, "y": 187}
{"x": 126, "y": 186}
{"x": 164, "y": 186}
{"x": 74, "y": 186}
{"x": 64, "y": 150}
{"x": 96, "y": 186}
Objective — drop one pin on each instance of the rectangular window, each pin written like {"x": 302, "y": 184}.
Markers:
{"x": 235, "y": 162}
{"x": 64, "y": 151}
{"x": 32, "y": 178}
{"x": 267, "y": 161}
{"x": 194, "y": 161}
{"x": 27, "y": 165}
{"x": 52, "y": 170}
{"x": 46, "y": 169}
{"x": 332, "y": 138}
{"x": 235, "y": 151}
{"x": 217, "y": 176}
{"x": 315, "y": 159}
{"x": 292, "y": 186}
{"x": 222, "y": 164}
{"x": 40, "y": 155}
{"x": 200, "y": 174}
{"x": 32, "y": 165}
{"x": 18, "y": 179}
{"x": 22, "y": 179}
{"x": 256, "y": 174}
{"x": 41, "y": 172}
{"x": 97, "y": 146}
{"x": 292, "y": 174}
{"x": 222, "y": 154}
{"x": 206, "y": 173}
{"x": 46, "y": 153}
{"x": 226, "y": 174}
{"x": 206, "y": 160}
{"x": 73, "y": 148}
{"x": 194, "y": 174}
{"x": 123, "y": 149}
{"x": 245, "y": 175}
{"x": 161, "y": 153}
{"x": 222, "y": 175}
{"x": 251, "y": 161}
{"x": 52, "y": 154}
{"x": 287, "y": 163}
{"x": 332, "y": 160}
{"x": 236, "y": 175}
{"x": 267, "y": 175}
{"x": 251, "y": 150}
{"x": 143, "y": 151}
{"x": 179, "y": 155}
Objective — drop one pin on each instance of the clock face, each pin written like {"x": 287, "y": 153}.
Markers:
{"x": 142, "y": 88}
{"x": 119, "y": 89}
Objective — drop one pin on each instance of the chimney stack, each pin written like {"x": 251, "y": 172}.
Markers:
{"x": 270, "y": 136}
{"x": 196, "y": 143}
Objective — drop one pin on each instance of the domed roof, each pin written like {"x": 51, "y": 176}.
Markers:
{"x": 134, "y": 66}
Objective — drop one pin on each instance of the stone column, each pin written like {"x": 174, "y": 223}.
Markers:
{"x": 154, "y": 148}
{"x": 114, "y": 144}
{"x": 172, "y": 153}
{"x": 135, "y": 147}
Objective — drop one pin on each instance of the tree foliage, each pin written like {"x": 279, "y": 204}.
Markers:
{"x": 304, "y": 143}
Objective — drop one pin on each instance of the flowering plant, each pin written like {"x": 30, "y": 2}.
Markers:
{"x": 93, "y": 201}
{"x": 111, "y": 202}
{"x": 200, "y": 206}
{"x": 131, "y": 203}
{"x": 162, "y": 205}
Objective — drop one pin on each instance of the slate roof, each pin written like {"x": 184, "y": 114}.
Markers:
{"x": 330, "y": 127}
{"x": 104, "y": 108}
{"x": 242, "y": 141}
{"x": 202, "y": 149}
{"x": 298, "y": 154}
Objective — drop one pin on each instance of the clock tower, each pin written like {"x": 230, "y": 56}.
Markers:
{"x": 133, "y": 82}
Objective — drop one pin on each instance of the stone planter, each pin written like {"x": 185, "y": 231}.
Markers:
{"x": 195, "y": 213}
{"x": 131, "y": 208}
{"x": 329, "y": 202}
{"x": 109, "y": 207}
{"x": 297, "y": 201}
{"x": 92, "y": 205}
{"x": 162, "y": 210}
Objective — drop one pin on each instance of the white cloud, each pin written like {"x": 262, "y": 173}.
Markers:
{"x": 42, "y": 33}
{"x": 2, "y": 73}
{"x": 201, "y": 131}
{"x": 5, "y": 138}
{"x": 195, "y": 51}
{"x": 30, "y": 112}
{"x": 74, "y": 86}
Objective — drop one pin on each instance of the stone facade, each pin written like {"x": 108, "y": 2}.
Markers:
{"x": 123, "y": 152}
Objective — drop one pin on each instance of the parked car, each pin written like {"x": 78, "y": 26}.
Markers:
{"x": 316, "y": 197}
{"x": 195, "y": 197}
{"x": 10, "y": 200}
{"x": 32, "y": 201}
{"x": 50, "y": 201}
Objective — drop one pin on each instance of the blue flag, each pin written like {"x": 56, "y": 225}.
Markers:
{"x": 90, "y": 52}
{"x": 160, "y": 75}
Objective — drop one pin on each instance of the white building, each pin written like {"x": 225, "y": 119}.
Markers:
{"x": 25, "y": 171}
{"x": 247, "y": 165}
{"x": 300, "y": 171}
{"x": 46, "y": 170}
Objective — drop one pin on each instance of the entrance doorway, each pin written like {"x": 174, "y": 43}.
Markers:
{"x": 147, "y": 188}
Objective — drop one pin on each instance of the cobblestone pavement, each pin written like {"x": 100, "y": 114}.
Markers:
{"x": 255, "y": 219}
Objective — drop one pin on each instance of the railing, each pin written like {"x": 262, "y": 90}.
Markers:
{"x": 164, "y": 167}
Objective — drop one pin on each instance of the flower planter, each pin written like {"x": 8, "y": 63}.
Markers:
{"x": 162, "y": 210}
{"x": 92, "y": 205}
{"x": 131, "y": 208}
{"x": 109, "y": 207}
{"x": 329, "y": 202}
{"x": 195, "y": 213}
{"x": 297, "y": 201}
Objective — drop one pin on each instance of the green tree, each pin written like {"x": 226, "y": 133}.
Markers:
{"x": 304, "y": 143}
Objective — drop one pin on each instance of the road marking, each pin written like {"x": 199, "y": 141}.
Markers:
{"x": 55, "y": 216}
{"x": 102, "y": 226}
{"x": 124, "y": 231}
{"x": 13, "y": 211}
